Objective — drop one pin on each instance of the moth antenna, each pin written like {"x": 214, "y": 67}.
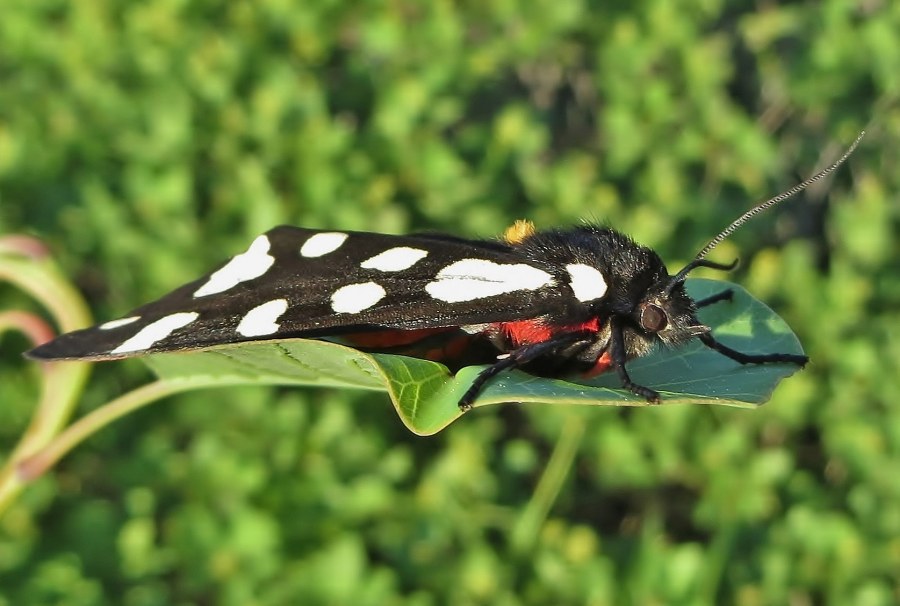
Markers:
{"x": 779, "y": 198}
{"x": 681, "y": 275}
{"x": 698, "y": 260}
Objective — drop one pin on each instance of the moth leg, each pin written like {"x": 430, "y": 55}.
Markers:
{"x": 617, "y": 354}
{"x": 519, "y": 357}
{"x": 743, "y": 358}
{"x": 725, "y": 295}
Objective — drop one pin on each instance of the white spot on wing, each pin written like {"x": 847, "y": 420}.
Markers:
{"x": 395, "y": 259}
{"x": 261, "y": 319}
{"x": 587, "y": 282}
{"x": 245, "y": 266}
{"x": 354, "y": 298}
{"x": 322, "y": 244}
{"x": 120, "y": 322}
{"x": 156, "y": 331}
{"x": 471, "y": 279}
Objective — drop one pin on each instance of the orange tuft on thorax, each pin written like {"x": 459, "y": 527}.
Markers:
{"x": 518, "y": 231}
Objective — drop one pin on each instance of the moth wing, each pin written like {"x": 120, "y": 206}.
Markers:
{"x": 296, "y": 282}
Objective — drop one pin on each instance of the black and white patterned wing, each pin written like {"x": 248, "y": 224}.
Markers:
{"x": 295, "y": 282}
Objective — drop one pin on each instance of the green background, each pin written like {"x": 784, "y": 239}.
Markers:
{"x": 145, "y": 142}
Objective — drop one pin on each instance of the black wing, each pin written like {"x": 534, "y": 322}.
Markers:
{"x": 295, "y": 282}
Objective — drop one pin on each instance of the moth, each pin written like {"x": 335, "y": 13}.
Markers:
{"x": 586, "y": 299}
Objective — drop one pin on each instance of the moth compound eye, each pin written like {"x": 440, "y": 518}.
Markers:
{"x": 653, "y": 318}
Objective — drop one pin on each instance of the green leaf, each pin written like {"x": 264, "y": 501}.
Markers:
{"x": 425, "y": 394}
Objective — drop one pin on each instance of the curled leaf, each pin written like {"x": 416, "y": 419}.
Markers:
{"x": 425, "y": 394}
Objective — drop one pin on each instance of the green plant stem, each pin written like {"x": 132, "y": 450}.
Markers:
{"x": 42, "y": 280}
{"x": 38, "y": 464}
{"x": 62, "y": 383}
{"x": 29, "y": 324}
{"x": 531, "y": 520}
{"x": 17, "y": 474}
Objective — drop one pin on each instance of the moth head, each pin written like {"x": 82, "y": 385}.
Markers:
{"x": 669, "y": 316}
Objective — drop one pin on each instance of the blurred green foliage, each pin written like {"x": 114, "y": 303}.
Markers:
{"x": 147, "y": 141}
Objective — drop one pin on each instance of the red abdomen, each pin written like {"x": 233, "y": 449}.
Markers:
{"x": 528, "y": 332}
